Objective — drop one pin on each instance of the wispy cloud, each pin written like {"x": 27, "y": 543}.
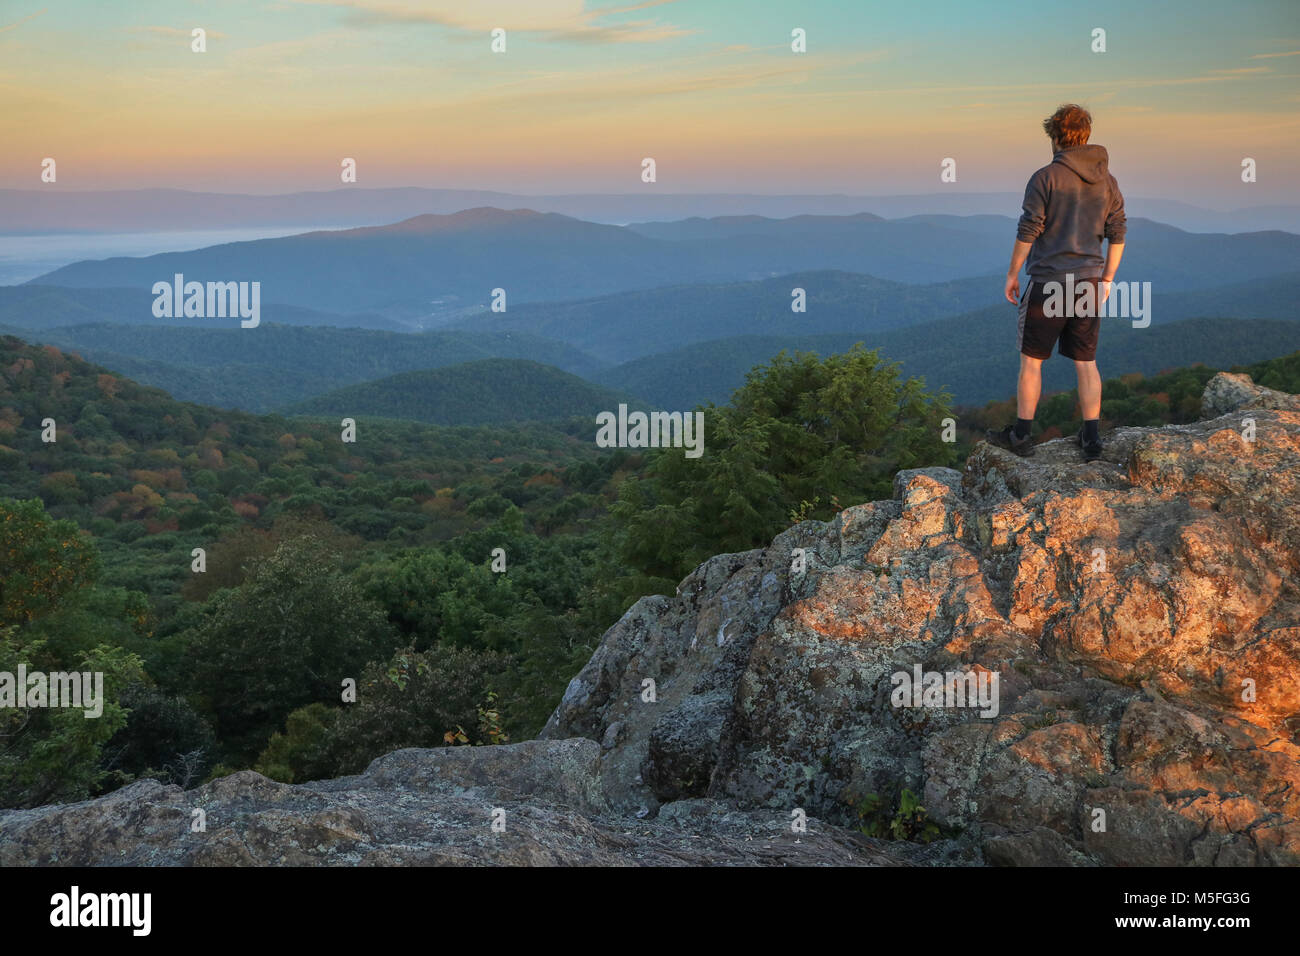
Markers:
{"x": 621, "y": 88}
{"x": 1266, "y": 56}
{"x": 278, "y": 51}
{"x": 173, "y": 33}
{"x": 1243, "y": 69}
{"x": 554, "y": 20}
{"x": 18, "y": 23}
{"x": 642, "y": 31}
{"x": 886, "y": 91}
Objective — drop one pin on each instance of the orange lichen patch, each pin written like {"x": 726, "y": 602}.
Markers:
{"x": 1059, "y": 748}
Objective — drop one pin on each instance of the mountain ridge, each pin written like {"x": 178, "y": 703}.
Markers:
{"x": 433, "y": 265}
{"x": 40, "y": 210}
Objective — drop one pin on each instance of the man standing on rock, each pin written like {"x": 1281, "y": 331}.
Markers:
{"x": 1070, "y": 206}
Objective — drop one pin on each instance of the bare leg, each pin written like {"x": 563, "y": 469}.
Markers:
{"x": 1030, "y": 385}
{"x": 1089, "y": 389}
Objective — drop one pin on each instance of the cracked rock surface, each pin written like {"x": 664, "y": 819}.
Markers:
{"x": 422, "y": 808}
{"x": 1141, "y": 614}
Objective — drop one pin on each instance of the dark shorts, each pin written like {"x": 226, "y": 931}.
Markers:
{"x": 1076, "y": 329}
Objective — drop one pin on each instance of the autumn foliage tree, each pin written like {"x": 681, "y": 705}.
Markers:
{"x": 41, "y": 560}
{"x": 47, "y": 569}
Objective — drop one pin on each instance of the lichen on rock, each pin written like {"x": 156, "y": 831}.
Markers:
{"x": 1141, "y": 612}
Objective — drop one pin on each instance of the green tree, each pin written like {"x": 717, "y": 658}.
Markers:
{"x": 801, "y": 429}
{"x": 41, "y": 560}
{"x": 46, "y": 574}
{"x": 164, "y": 737}
{"x": 303, "y": 751}
{"x": 413, "y": 700}
{"x": 288, "y": 636}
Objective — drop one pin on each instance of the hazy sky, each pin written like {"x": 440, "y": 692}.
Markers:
{"x": 585, "y": 90}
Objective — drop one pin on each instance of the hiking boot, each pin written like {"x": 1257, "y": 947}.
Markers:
{"x": 1091, "y": 449}
{"x": 1007, "y": 438}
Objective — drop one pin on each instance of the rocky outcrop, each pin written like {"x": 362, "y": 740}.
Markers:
{"x": 1139, "y": 613}
{"x": 418, "y": 807}
{"x": 1107, "y": 655}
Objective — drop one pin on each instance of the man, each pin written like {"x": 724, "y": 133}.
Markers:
{"x": 1070, "y": 206}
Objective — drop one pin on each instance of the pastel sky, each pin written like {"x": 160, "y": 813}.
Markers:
{"x": 586, "y": 89}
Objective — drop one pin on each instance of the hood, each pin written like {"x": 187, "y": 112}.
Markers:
{"x": 1089, "y": 162}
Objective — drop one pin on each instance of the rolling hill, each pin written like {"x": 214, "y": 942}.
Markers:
{"x": 266, "y": 368}
{"x": 652, "y": 335}
{"x": 52, "y": 306}
{"x": 490, "y": 391}
{"x": 971, "y": 355}
{"x": 628, "y": 325}
{"x": 633, "y": 325}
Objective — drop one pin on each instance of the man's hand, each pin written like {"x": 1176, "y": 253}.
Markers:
{"x": 1019, "y": 253}
{"x": 1013, "y": 288}
{"x": 1105, "y": 288}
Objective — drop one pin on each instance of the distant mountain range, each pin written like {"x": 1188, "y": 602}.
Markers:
{"x": 677, "y": 346}
{"x": 631, "y": 325}
{"x": 423, "y": 266}
{"x": 673, "y": 312}
{"x": 49, "y": 210}
{"x": 435, "y": 269}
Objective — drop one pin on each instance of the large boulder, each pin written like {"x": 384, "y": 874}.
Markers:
{"x": 1140, "y": 614}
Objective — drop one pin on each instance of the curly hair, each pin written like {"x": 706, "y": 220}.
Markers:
{"x": 1069, "y": 126}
